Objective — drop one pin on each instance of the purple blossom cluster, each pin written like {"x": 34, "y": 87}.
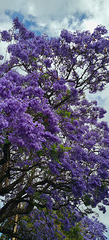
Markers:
{"x": 58, "y": 154}
{"x": 54, "y": 227}
{"x": 92, "y": 229}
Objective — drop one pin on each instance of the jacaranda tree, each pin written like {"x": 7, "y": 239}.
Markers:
{"x": 54, "y": 147}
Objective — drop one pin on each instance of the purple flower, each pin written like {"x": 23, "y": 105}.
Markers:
{"x": 55, "y": 147}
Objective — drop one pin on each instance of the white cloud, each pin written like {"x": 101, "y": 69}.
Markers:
{"x": 89, "y": 24}
{"x": 11, "y": 5}
{"x": 99, "y": 14}
{"x": 5, "y": 22}
{"x": 53, "y": 13}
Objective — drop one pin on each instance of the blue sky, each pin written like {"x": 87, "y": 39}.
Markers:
{"x": 50, "y": 17}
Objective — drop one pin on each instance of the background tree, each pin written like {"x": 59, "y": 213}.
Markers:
{"x": 54, "y": 149}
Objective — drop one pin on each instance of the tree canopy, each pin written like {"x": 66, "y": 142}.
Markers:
{"x": 54, "y": 145}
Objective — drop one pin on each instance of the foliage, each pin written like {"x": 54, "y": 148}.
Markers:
{"x": 55, "y": 146}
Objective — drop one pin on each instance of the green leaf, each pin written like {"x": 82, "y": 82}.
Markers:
{"x": 35, "y": 59}
{"x": 39, "y": 153}
{"x": 64, "y": 148}
{"x": 7, "y": 141}
{"x": 53, "y": 147}
{"x": 67, "y": 148}
{"x": 61, "y": 146}
{"x": 63, "y": 113}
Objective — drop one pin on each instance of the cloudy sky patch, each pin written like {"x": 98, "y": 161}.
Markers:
{"x": 53, "y": 15}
